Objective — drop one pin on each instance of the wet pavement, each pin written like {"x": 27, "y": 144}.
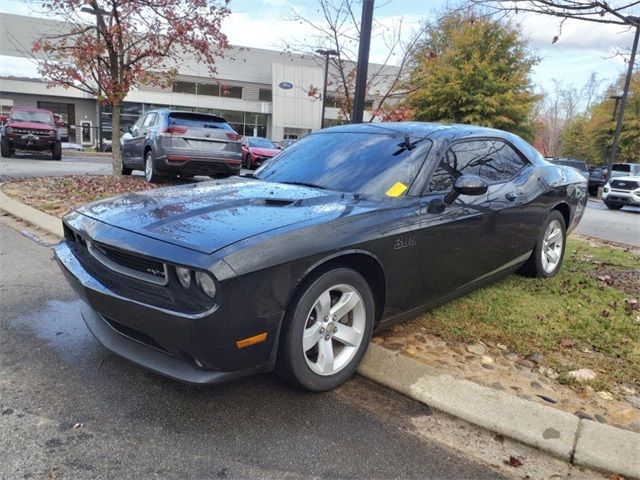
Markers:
{"x": 71, "y": 409}
{"x": 621, "y": 226}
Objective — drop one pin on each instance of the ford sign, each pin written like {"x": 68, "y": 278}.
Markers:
{"x": 286, "y": 85}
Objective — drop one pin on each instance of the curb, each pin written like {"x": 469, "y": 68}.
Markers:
{"x": 42, "y": 220}
{"x": 581, "y": 442}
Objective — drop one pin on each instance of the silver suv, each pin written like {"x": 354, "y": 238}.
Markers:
{"x": 166, "y": 143}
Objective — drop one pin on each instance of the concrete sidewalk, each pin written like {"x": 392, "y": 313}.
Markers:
{"x": 42, "y": 220}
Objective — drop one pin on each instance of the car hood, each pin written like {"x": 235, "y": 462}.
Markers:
{"x": 265, "y": 152}
{"x": 208, "y": 216}
{"x": 31, "y": 125}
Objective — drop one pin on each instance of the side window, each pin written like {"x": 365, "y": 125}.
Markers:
{"x": 150, "y": 120}
{"x": 493, "y": 160}
{"x": 138, "y": 124}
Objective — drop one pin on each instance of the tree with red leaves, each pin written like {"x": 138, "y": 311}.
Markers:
{"x": 126, "y": 44}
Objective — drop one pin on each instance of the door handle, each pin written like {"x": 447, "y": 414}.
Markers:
{"x": 511, "y": 196}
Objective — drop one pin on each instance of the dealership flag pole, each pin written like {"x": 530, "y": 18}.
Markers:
{"x": 363, "y": 61}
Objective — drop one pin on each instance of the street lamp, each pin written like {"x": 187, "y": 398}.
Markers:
{"x": 327, "y": 54}
{"x": 625, "y": 93}
{"x": 363, "y": 61}
{"x": 91, "y": 11}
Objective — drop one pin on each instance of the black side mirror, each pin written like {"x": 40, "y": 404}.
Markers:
{"x": 466, "y": 185}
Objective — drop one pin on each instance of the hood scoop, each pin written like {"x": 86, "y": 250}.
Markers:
{"x": 274, "y": 202}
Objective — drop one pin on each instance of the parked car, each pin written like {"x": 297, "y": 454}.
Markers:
{"x": 622, "y": 190}
{"x": 30, "y": 129}
{"x": 257, "y": 150}
{"x": 571, "y": 162}
{"x": 286, "y": 143}
{"x": 63, "y": 128}
{"x": 166, "y": 143}
{"x": 597, "y": 179}
{"x": 352, "y": 229}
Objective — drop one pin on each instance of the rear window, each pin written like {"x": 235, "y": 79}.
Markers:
{"x": 199, "y": 120}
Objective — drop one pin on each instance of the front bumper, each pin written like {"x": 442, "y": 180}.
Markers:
{"x": 26, "y": 142}
{"x": 197, "y": 349}
{"x": 622, "y": 197}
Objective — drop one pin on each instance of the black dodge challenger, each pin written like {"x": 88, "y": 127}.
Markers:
{"x": 350, "y": 230}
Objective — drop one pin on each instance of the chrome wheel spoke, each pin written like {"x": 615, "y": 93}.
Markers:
{"x": 347, "y": 335}
{"x": 552, "y": 246}
{"x": 325, "y": 356}
{"x": 323, "y": 305}
{"x": 311, "y": 337}
{"x": 554, "y": 236}
{"x": 348, "y": 301}
{"x": 553, "y": 256}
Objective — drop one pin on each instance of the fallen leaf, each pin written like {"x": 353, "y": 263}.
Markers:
{"x": 513, "y": 462}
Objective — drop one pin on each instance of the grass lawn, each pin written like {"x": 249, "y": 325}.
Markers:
{"x": 587, "y": 316}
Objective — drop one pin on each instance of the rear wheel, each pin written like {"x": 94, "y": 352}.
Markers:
{"x": 548, "y": 253}
{"x": 150, "y": 173}
{"x": 613, "y": 206}
{"x": 5, "y": 148}
{"x": 327, "y": 330}
{"x": 56, "y": 151}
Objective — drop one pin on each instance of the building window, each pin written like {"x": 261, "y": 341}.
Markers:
{"x": 264, "y": 95}
{"x": 184, "y": 87}
{"x": 229, "y": 91}
{"x": 209, "y": 89}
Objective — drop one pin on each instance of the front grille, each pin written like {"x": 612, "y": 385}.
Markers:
{"x": 27, "y": 131}
{"x": 624, "y": 184}
{"x": 129, "y": 264}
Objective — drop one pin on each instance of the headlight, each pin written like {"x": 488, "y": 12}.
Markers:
{"x": 184, "y": 277}
{"x": 206, "y": 284}
{"x": 9, "y": 130}
{"x": 606, "y": 188}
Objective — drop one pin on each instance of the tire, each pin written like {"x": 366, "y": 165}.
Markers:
{"x": 343, "y": 340}
{"x": 546, "y": 259}
{"x": 5, "y": 148}
{"x": 56, "y": 151}
{"x": 150, "y": 173}
{"x": 593, "y": 191}
{"x": 124, "y": 170}
{"x": 613, "y": 206}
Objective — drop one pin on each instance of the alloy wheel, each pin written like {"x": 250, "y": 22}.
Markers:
{"x": 334, "y": 329}
{"x": 148, "y": 168}
{"x": 552, "y": 246}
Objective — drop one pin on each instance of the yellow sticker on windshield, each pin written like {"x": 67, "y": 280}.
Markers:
{"x": 397, "y": 189}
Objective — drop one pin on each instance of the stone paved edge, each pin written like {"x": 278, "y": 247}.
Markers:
{"x": 536, "y": 425}
{"x": 46, "y": 222}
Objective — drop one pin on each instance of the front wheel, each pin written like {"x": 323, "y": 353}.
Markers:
{"x": 150, "y": 173}
{"x": 5, "y": 148}
{"x": 548, "y": 253}
{"x": 613, "y": 206}
{"x": 56, "y": 151}
{"x": 326, "y": 330}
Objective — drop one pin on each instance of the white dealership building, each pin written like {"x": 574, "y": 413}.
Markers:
{"x": 259, "y": 92}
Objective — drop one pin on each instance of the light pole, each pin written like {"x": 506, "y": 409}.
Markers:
{"x": 327, "y": 54}
{"x": 363, "y": 61}
{"x": 625, "y": 93}
{"x": 91, "y": 11}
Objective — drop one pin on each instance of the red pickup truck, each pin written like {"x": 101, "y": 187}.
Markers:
{"x": 30, "y": 129}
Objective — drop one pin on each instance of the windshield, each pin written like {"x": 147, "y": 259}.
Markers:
{"x": 32, "y": 116}
{"x": 197, "y": 120}
{"x": 261, "y": 143}
{"x": 370, "y": 163}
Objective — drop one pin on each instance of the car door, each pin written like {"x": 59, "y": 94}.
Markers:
{"x": 471, "y": 238}
{"x": 133, "y": 146}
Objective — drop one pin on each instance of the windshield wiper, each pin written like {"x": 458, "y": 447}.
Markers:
{"x": 305, "y": 184}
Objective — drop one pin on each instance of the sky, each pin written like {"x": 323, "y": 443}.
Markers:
{"x": 582, "y": 48}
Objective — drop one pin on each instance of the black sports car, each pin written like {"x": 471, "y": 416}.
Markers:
{"x": 350, "y": 230}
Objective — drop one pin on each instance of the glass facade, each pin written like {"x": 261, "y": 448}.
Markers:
{"x": 209, "y": 89}
{"x": 245, "y": 123}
